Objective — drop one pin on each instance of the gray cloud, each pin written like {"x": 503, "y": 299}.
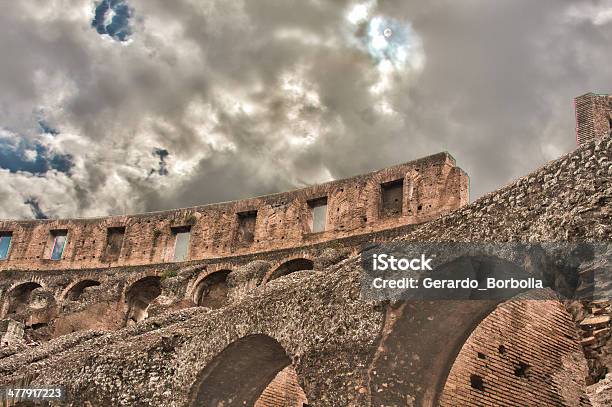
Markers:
{"x": 248, "y": 97}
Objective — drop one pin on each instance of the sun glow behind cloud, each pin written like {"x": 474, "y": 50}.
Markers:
{"x": 386, "y": 39}
{"x": 393, "y": 45}
{"x": 249, "y": 99}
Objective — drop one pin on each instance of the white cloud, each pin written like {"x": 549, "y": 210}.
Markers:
{"x": 256, "y": 97}
{"x": 599, "y": 13}
{"x": 359, "y": 12}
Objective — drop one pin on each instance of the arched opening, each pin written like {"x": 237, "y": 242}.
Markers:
{"x": 291, "y": 266}
{"x": 506, "y": 350}
{"x": 212, "y": 290}
{"x": 79, "y": 288}
{"x": 139, "y": 296}
{"x": 426, "y": 336}
{"x": 242, "y": 372}
{"x": 19, "y": 298}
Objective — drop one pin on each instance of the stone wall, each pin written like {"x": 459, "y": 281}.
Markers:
{"x": 343, "y": 349}
{"x": 595, "y": 323}
{"x": 430, "y": 187}
{"x": 568, "y": 199}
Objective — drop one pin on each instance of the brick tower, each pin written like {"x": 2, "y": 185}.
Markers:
{"x": 593, "y": 117}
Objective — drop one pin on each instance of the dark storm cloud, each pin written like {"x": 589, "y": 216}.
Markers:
{"x": 225, "y": 182}
{"x": 163, "y": 166}
{"x": 252, "y": 97}
{"x": 45, "y": 128}
{"x": 35, "y": 207}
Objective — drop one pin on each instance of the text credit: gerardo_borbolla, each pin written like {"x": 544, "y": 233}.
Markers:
{"x": 477, "y": 270}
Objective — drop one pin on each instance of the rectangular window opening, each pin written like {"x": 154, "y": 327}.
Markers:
{"x": 114, "y": 243}
{"x": 182, "y": 236}
{"x": 246, "y": 227}
{"x": 318, "y": 214}
{"x": 58, "y": 243}
{"x": 5, "y": 244}
{"x": 392, "y": 198}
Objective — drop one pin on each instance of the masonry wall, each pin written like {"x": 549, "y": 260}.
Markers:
{"x": 318, "y": 318}
{"x": 593, "y": 117}
{"x": 432, "y": 186}
{"x": 524, "y": 354}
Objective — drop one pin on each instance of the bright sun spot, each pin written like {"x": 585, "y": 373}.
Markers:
{"x": 390, "y": 40}
{"x": 385, "y": 39}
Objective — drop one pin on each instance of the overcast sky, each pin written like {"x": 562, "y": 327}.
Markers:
{"x": 125, "y": 106}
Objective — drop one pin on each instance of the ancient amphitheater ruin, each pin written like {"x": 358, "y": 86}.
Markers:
{"x": 258, "y": 302}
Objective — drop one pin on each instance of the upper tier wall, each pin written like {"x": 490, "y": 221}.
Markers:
{"x": 409, "y": 193}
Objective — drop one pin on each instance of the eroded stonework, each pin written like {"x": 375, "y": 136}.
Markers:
{"x": 218, "y": 330}
{"x": 428, "y": 188}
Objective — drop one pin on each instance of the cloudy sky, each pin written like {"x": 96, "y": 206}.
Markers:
{"x": 120, "y": 106}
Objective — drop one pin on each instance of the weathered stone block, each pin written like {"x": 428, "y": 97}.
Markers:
{"x": 11, "y": 332}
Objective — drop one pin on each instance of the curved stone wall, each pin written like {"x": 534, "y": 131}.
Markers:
{"x": 342, "y": 348}
{"x": 409, "y": 193}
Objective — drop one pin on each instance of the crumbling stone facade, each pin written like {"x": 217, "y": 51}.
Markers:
{"x": 221, "y": 330}
{"x": 428, "y": 188}
{"x": 11, "y": 332}
{"x": 596, "y": 335}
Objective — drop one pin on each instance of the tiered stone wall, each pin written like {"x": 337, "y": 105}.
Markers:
{"x": 432, "y": 186}
{"x": 334, "y": 339}
{"x": 568, "y": 199}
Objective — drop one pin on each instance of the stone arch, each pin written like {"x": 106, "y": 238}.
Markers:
{"x": 240, "y": 373}
{"x": 37, "y": 280}
{"x": 138, "y": 297}
{"x": 290, "y": 266}
{"x": 19, "y": 297}
{"x": 74, "y": 291}
{"x": 211, "y": 291}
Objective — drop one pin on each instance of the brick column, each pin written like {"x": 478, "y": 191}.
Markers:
{"x": 593, "y": 117}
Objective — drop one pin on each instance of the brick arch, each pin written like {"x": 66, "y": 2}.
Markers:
{"x": 406, "y": 352}
{"x": 288, "y": 266}
{"x": 204, "y": 272}
{"x": 211, "y": 290}
{"x": 507, "y": 350}
{"x": 18, "y": 295}
{"x": 139, "y": 295}
{"x": 36, "y": 280}
{"x": 123, "y": 289}
{"x": 240, "y": 373}
{"x": 75, "y": 289}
